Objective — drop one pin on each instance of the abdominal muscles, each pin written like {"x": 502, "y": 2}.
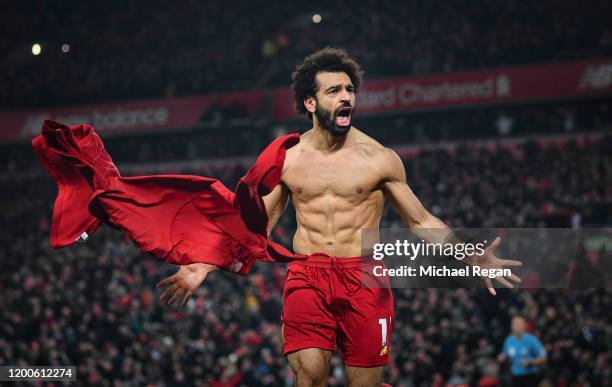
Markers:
{"x": 332, "y": 224}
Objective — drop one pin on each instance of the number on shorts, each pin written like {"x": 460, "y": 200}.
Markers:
{"x": 384, "y": 329}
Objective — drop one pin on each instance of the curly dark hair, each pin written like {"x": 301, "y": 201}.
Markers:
{"x": 327, "y": 59}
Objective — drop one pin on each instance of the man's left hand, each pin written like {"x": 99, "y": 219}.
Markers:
{"x": 488, "y": 260}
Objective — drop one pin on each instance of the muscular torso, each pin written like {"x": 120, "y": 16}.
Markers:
{"x": 335, "y": 193}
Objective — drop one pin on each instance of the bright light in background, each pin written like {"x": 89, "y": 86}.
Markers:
{"x": 65, "y": 48}
{"x": 316, "y": 18}
{"x": 36, "y": 49}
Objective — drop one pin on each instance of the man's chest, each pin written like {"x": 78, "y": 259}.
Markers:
{"x": 311, "y": 177}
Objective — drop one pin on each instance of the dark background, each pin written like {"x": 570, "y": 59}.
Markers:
{"x": 95, "y": 305}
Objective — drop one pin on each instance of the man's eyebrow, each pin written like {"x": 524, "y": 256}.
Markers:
{"x": 348, "y": 86}
{"x": 332, "y": 87}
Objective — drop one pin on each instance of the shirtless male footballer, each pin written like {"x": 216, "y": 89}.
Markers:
{"x": 337, "y": 178}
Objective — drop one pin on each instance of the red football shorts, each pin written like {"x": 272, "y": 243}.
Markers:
{"x": 325, "y": 304}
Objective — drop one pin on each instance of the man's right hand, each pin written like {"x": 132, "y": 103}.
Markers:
{"x": 184, "y": 282}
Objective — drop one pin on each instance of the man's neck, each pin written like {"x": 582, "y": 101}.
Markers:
{"x": 324, "y": 141}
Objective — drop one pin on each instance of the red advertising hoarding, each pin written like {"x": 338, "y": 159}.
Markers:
{"x": 543, "y": 82}
{"x": 128, "y": 116}
{"x": 516, "y": 84}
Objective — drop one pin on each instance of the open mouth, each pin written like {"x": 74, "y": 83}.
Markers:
{"x": 343, "y": 118}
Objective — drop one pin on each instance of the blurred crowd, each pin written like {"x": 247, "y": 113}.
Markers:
{"x": 125, "y": 50}
{"x": 95, "y": 304}
{"x": 533, "y": 184}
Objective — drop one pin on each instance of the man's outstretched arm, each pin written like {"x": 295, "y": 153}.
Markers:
{"x": 408, "y": 206}
{"x": 426, "y": 225}
{"x": 188, "y": 277}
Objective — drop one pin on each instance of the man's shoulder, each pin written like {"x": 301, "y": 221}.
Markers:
{"x": 370, "y": 147}
{"x": 296, "y": 149}
{"x": 383, "y": 159}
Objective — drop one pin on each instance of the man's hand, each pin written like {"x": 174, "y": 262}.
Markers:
{"x": 185, "y": 281}
{"x": 488, "y": 260}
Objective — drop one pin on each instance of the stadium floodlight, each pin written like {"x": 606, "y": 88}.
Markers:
{"x": 36, "y": 49}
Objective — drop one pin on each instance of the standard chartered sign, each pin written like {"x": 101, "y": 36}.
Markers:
{"x": 411, "y": 93}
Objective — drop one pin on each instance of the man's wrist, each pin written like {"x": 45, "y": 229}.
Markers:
{"x": 201, "y": 266}
{"x": 211, "y": 267}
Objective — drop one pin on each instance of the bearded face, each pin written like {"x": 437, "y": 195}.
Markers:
{"x": 337, "y": 122}
{"x": 334, "y": 102}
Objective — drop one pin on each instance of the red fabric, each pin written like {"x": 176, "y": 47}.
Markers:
{"x": 180, "y": 219}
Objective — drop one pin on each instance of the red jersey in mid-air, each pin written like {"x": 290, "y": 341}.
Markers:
{"x": 180, "y": 219}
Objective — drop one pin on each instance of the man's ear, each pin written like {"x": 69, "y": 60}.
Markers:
{"x": 310, "y": 103}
